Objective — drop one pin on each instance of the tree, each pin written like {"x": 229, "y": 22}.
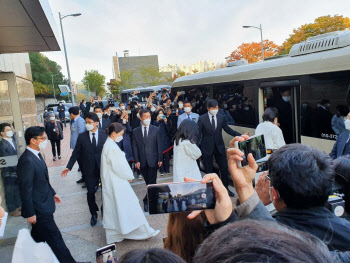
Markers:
{"x": 127, "y": 79}
{"x": 80, "y": 97}
{"x": 94, "y": 81}
{"x": 321, "y": 25}
{"x": 252, "y": 51}
{"x": 114, "y": 86}
{"x": 151, "y": 75}
{"x": 179, "y": 73}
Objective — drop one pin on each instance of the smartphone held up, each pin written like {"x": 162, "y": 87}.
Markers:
{"x": 254, "y": 145}
{"x": 180, "y": 197}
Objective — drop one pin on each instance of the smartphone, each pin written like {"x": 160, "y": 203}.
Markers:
{"x": 163, "y": 116}
{"x": 180, "y": 197}
{"x": 128, "y": 111}
{"x": 182, "y": 92}
{"x": 254, "y": 145}
{"x": 106, "y": 254}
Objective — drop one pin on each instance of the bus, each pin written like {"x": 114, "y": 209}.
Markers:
{"x": 308, "y": 87}
{"x": 143, "y": 94}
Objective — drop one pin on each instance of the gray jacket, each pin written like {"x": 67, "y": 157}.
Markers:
{"x": 77, "y": 127}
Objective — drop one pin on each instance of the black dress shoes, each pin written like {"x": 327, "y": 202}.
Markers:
{"x": 83, "y": 186}
{"x": 80, "y": 181}
{"x": 93, "y": 220}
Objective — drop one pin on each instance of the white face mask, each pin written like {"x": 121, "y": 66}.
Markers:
{"x": 3, "y": 225}
{"x": 286, "y": 98}
{"x": 181, "y": 105}
{"x": 147, "y": 122}
{"x": 124, "y": 121}
{"x": 136, "y": 107}
{"x": 187, "y": 109}
{"x": 52, "y": 118}
{"x": 122, "y": 107}
{"x": 225, "y": 106}
{"x": 119, "y": 139}
{"x": 89, "y": 127}
{"x": 9, "y": 134}
{"x": 347, "y": 124}
{"x": 43, "y": 145}
{"x": 99, "y": 115}
{"x": 153, "y": 109}
{"x": 213, "y": 112}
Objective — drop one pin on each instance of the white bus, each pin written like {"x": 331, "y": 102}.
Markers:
{"x": 315, "y": 73}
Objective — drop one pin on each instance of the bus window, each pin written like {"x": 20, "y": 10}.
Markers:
{"x": 239, "y": 101}
{"x": 198, "y": 98}
{"x": 324, "y": 104}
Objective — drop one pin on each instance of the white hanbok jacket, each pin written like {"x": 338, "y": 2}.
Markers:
{"x": 272, "y": 134}
{"x": 185, "y": 161}
{"x": 122, "y": 214}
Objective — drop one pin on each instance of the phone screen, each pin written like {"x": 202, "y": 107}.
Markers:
{"x": 255, "y": 146}
{"x": 106, "y": 254}
{"x": 180, "y": 197}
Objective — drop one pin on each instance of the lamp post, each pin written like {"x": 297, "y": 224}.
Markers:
{"x": 262, "y": 41}
{"x": 53, "y": 86}
{"x": 65, "y": 52}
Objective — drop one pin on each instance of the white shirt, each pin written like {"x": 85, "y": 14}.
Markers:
{"x": 96, "y": 136}
{"x": 272, "y": 133}
{"x": 36, "y": 153}
{"x": 211, "y": 119}
{"x": 143, "y": 130}
{"x": 10, "y": 141}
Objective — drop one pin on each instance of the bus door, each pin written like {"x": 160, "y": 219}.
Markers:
{"x": 284, "y": 95}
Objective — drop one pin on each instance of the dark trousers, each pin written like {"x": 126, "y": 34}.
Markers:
{"x": 64, "y": 121}
{"x": 166, "y": 163}
{"x": 46, "y": 230}
{"x": 55, "y": 143}
{"x": 150, "y": 176}
{"x": 13, "y": 199}
{"x": 221, "y": 162}
{"x": 91, "y": 181}
{"x": 80, "y": 164}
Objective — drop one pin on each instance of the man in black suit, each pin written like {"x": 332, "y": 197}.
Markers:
{"x": 62, "y": 113}
{"x": 103, "y": 123}
{"x": 37, "y": 195}
{"x": 82, "y": 108}
{"x": 147, "y": 150}
{"x": 211, "y": 141}
{"x": 9, "y": 174}
{"x": 89, "y": 149}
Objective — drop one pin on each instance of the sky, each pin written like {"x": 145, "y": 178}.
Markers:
{"x": 178, "y": 31}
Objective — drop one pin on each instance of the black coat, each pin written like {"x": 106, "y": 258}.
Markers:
{"x": 35, "y": 189}
{"x": 84, "y": 150}
{"x": 164, "y": 131}
{"x": 105, "y": 124}
{"x": 6, "y": 149}
{"x": 61, "y": 112}
{"x": 125, "y": 145}
{"x": 209, "y": 139}
{"x": 149, "y": 152}
{"x": 51, "y": 135}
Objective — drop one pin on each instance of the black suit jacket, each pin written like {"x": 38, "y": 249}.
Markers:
{"x": 149, "y": 152}
{"x": 208, "y": 138}
{"x": 6, "y": 149}
{"x": 35, "y": 189}
{"x": 105, "y": 124}
{"x": 85, "y": 151}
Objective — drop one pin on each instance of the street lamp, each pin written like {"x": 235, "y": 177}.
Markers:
{"x": 262, "y": 41}
{"x": 65, "y": 52}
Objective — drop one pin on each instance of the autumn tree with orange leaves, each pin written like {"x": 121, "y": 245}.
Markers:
{"x": 251, "y": 52}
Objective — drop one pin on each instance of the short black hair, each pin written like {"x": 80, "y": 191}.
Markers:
{"x": 143, "y": 111}
{"x": 83, "y": 100}
{"x": 302, "y": 175}
{"x": 3, "y": 125}
{"x": 74, "y": 110}
{"x": 105, "y": 108}
{"x": 270, "y": 114}
{"x": 92, "y": 116}
{"x": 33, "y": 132}
{"x": 153, "y": 255}
{"x": 212, "y": 103}
{"x": 97, "y": 107}
{"x": 186, "y": 101}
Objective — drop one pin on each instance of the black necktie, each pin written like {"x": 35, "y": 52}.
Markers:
{"x": 99, "y": 125}
{"x": 145, "y": 135}
{"x": 93, "y": 140}
{"x": 213, "y": 123}
{"x": 41, "y": 158}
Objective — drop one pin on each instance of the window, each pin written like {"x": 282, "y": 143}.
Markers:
{"x": 324, "y": 104}
{"x": 238, "y": 102}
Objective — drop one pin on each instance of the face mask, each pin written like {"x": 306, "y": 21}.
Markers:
{"x": 3, "y": 224}
{"x": 138, "y": 115}
{"x": 45, "y": 110}
{"x": 347, "y": 124}
{"x": 147, "y": 122}
{"x": 43, "y": 145}
{"x": 119, "y": 139}
{"x": 286, "y": 99}
{"x": 213, "y": 112}
{"x": 122, "y": 107}
{"x": 52, "y": 118}
{"x": 225, "y": 106}
{"x": 124, "y": 121}
{"x": 181, "y": 105}
{"x": 136, "y": 107}
{"x": 246, "y": 108}
{"x": 91, "y": 109}
{"x": 99, "y": 115}
{"x": 9, "y": 134}
{"x": 89, "y": 127}
{"x": 187, "y": 109}
{"x": 153, "y": 109}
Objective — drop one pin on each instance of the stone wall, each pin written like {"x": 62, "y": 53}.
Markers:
{"x": 41, "y": 103}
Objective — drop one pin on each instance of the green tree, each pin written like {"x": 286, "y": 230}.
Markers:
{"x": 127, "y": 79}
{"x": 151, "y": 75}
{"x": 94, "y": 81}
{"x": 114, "y": 87}
{"x": 321, "y": 25}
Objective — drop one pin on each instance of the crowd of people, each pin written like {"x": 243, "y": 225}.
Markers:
{"x": 113, "y": 142}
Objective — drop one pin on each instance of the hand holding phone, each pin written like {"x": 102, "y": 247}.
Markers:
{"x": 254, "y": 145}
{"x": 106, "y": 254}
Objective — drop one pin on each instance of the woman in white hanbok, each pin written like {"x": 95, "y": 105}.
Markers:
{"x": 123, "y": 217}
{"x": 186, "y": 152}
